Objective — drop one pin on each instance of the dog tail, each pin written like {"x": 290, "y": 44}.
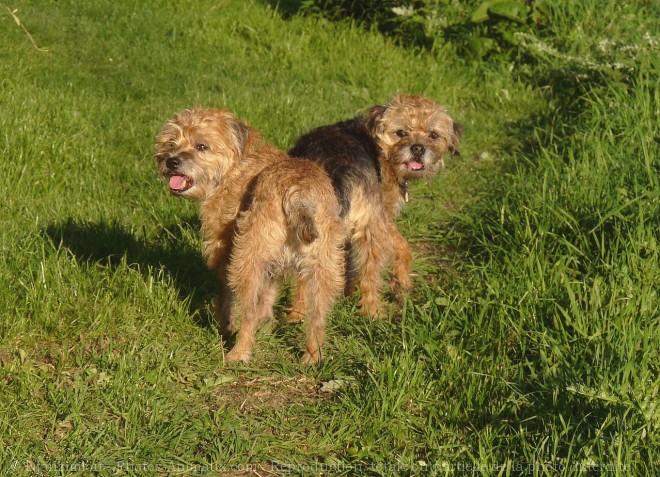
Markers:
{"x": 299, "y": 209}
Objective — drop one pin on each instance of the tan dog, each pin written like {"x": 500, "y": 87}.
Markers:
{"x": 413, "y": 134}
{"x": 263, "y": 217}
{"x": 370, "y": 160}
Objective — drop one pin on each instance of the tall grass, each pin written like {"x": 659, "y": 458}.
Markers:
{"x": 567, "y": 277}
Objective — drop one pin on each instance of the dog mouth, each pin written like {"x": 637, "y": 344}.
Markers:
{"x": 180, "y": 183}
{"x": 415, "y": 165}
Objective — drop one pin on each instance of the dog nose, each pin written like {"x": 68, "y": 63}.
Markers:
{"x": 172, "y": 162}
{"x": 417, "y": 150}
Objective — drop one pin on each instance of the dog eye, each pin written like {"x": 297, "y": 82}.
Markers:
{"x": 434, "y": 135}
{"x": 401, "y": 133}
{"x": 201, "y": 147}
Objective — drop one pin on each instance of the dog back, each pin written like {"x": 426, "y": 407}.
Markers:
{"x": 348, "y": 154}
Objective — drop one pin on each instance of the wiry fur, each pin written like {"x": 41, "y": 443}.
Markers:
{"x": 410, "y": 130}
{"x": 264, "y": 217}
{"x": 369, "y": 160}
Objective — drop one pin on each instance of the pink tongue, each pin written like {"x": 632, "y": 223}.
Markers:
{"x": 415, "y": 165}
{"x": 178, "y": 182}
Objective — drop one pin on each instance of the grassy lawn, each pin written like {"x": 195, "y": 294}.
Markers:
{"x": 529, "y": 345}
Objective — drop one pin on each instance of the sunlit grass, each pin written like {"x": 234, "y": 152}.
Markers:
{"x": 528, "y": 343}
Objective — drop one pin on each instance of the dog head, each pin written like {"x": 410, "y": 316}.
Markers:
{"x": 196, "y": 148}
{"x": 414, "y": 133}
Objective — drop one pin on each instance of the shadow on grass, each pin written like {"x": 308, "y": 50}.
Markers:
{"x": 286, "y": 8}
{"x": 112, "y": 245}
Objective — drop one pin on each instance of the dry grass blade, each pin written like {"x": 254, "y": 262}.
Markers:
{"x": 20, "y": 24}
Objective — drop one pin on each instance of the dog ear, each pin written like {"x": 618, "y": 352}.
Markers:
{"x": 373, "y": 118}
{"x": 240, "y": 133}
{"x": 457, "y": 132}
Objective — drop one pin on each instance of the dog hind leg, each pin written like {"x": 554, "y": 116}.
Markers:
{"x": 323, "y": 286}
{"x": 401, "y": 262}
{"x": 371, "y": 249}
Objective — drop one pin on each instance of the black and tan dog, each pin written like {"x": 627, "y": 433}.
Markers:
{"x": 264, "y": 217}
{"x": 370, "y": 160}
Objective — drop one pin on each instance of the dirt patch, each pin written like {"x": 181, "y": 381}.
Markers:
{"x": 248, "y": 394}
{"x": 433, "y": 252}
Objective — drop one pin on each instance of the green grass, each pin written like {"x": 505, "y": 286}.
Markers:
{"x": 528, "y": 346}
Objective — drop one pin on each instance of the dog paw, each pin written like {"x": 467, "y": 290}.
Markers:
{"x": 294, "y": 316}
{"x": 310, "y": 358}
{"x": 374, "y": 311}
{"x": 399, "y": 288}
{"x": 235, "y": 356}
